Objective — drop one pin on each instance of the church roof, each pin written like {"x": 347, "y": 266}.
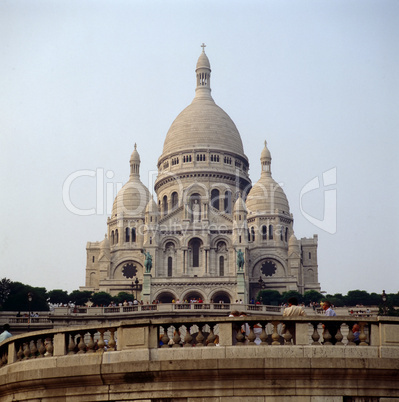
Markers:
{"x": 203, "y": 124}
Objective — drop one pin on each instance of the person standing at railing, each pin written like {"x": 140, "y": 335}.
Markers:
{"x": 293, "y": 310}
{"x": 5, "y": 334}
{"x": 331, "y": 327}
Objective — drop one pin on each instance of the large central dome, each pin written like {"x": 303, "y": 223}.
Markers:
{"x": 203, "y": 124}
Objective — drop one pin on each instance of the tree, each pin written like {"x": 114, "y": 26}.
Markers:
{"x": 355, "y": 297}
{"x": 292, "y": 293}
{"x": 58, "y": 296}
{"x": 18, "y": 298}
{"x": 122, "y": 296}
{"x": 269, "y": 297}
{"x": 312, "y": 296}
{"x": 101, "y": 299}
{"x": 80, "y": 298}
{"x": 5, "y": 285}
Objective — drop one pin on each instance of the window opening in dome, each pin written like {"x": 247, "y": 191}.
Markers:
{"x": 165, "y": 205}
{"x": 221, "y": 266}
{"x": 281, "y": 232}
{"x": 264, "y": 232}
{"x": 286, "y": 235}
{"x": 249, "y": 235}
{"x": 215, "y": 195}
{"x": 93, "y": 258}
{"x": 112, "y": 237}
{"x": 227, "y": 202}
{"x": 127, "y": 235}
{"x": 310, "y": 256}
{"x": 239, "y": 239}
{"x": 116, "y": 236}
{"x": 271, "y": 232}
{"x": 252, "y": 233}
{"x": 133, "y": 235}
{"x": 150, "y": 240}
{"x": 170, "y": 262}
{"x": 175, "y": 200}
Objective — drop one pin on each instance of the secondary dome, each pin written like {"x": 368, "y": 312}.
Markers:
{"x": 133, "y": 197}
{"x": 266, "y": 196}
{"x": 203, "y": 124}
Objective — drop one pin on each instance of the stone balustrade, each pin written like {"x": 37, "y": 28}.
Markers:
{"x": 149, "y": 359}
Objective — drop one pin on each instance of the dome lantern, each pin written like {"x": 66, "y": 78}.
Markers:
{"x": 266, "y": 160}
{"x": 203, "y": 74}
{"x": 135, "y": 163}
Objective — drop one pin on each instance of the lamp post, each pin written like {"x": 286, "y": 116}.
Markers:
{"x": 29, "y": 308}
{"x": 136, "y": 286}
{"x": 262, "y": 284}
{"x": 384, "y": 303}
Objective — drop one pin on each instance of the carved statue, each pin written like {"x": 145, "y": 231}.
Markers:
{"x": 147, "y": 261}
{"x": 240, "y": 260}
{"x": 196, "y": 211}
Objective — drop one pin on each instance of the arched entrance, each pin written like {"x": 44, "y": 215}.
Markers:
{"x": 221, "y": 297}
{"x": 166, "y": 297}
{"x": 193, "y": 295}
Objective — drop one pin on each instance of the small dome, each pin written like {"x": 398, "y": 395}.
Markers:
{"x": 135, "y": 155}
{"x": 266, "y": 196}
{"x": 132, "y": 199}
{"x": 104, "y": 248}
{"x": 239, "y": 205}
{"x": 203, "y": 61}
{"x": 152, "y": 207}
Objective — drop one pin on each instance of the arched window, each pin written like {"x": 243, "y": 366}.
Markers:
{"x": 253, "y": 233}
{"x": 271, "y": 232}
{"x": 127, "y": 235}
{"x": 281, "y": 232}
{"x": 93, "y": 258}
{"x": 264, "y": 232}
{"x": 286, "y": 235}
{"x": 170, "y": 265}
{"x": 133, "y": 235}
{"x": 215, "y": 198}
{"x": 227, "y": 202}
{"x": 112, "y": 237}
{"x": 175, "y": 200}
{"x": 165, "y": 205}
{"x": 195, "y": 251}
{"x": 221, "y": 266}
{"x": 249, "y": 235}
{"x": 116, "y": 236}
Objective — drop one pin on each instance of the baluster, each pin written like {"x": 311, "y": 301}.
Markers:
{"x": 275, "y": 335}
{"x": 91, "y": 344}
{"x": 4, "y": 358}
{"x": 338, "y": 336}
{"x": 26, "y": 350}
{"x": 315, "y": 335}
{"x": 362, "y": 335}
{"x": 165, "y": 337}
{"x": 210, "y": 341}
{"x": 251, "y": 336}
{"x": 41, "y": 348}
{"x": 101, "y": 342}
{"x": 263, "y": 335}
{"x": 33, "y": 349}
{"x": 287, "y": 337}
{"x": 199, "y": 338}
{"x": 20, "y": 353}
{"x": 82, "y": 345}
{"x": 351, "y": 336}
{"x": 112, "y": 342}
{"x": 188, "y": 338}
{"x": 176, "y": 338}
{"x": 49, "y": 347}
{"x": 327, "y": 336}
{"x": 71, "y": 344}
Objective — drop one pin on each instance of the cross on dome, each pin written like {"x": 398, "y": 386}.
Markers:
{"x": 203, "y": 47}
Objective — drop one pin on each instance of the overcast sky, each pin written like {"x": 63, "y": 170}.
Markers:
{"x": 82, "y": 81}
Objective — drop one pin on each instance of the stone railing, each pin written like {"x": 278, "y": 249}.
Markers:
{"x": 191, "y": 359}
{"x": 262, "y": 331}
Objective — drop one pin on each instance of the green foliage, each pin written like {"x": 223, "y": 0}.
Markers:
{"x": 80, "y": 298}
{"x": 4, "y": 290}
{"x": 58, "y": 296}
{"x": 269, "y": 297}
{"x": 292, "y": 293}
{"x": 122, "y": 296}
{"x": 101, "y": 299}
{"x": 312, "y": 296}
{"x": 355, "y": 297}
{"x": 18, "y": 298}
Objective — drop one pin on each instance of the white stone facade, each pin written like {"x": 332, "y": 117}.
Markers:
{"x": 206, "y": 211}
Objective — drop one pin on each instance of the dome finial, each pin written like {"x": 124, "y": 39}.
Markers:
{"x": 135, "y": 146}
{"x": 203, "y": 47}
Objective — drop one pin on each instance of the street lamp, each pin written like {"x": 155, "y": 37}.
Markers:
{"x": 136, "y": 286}
{"x": 384, "y": 303}
{"x": 262, "y": 284}
{"x": 29, "y": 309}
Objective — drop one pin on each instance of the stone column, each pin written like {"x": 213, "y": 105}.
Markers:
{"x": 146, "y": 292}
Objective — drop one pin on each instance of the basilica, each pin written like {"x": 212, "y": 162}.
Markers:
{"x": 210, "y": 234}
